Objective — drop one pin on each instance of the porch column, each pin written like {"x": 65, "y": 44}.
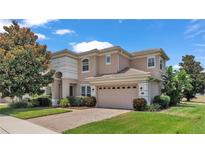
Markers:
{"x": 65, "y": 88}
{"x": 93, "y": 90}
{"x": 55, "y": 92}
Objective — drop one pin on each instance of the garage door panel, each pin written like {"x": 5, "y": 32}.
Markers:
{"x": 120, "y": 97}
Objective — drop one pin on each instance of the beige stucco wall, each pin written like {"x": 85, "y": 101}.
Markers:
{"x": 108, "y": 69}
{"x": 123, "y": 62}
{"x": 154, "y": 90}
{"x": 92, "y": 68}
{"x": 141, "y": 64}
{"x": 93, "y": 71}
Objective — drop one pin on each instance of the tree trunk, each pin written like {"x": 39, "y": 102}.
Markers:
{"x": 20, "y": 98}
{"x": 188, "y": 99}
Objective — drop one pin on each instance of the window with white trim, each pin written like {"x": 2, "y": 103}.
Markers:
{"x": 85, "y": 90}
{"x": 161, "y": 63}
{"x": 151, "y": 62}
{"x": 107, "y": 59}
{"x": 85, "y": 65}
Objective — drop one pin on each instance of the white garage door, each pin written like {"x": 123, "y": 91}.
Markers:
{"x": 116, "y": 96}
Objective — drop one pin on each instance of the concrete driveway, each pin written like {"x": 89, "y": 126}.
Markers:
{"x": 69, "y": 120}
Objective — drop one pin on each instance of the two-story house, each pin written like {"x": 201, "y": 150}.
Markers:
{"x": 113, "y": 75}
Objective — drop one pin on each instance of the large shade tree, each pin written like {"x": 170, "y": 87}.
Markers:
{"x": 195, "y": 70}
{"x": 24, "y": 63}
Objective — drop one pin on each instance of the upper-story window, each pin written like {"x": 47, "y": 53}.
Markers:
{"x": 85, "y": 65}
{"x": 107, "y": 59}
{"x": 151, "y": 62}
{"x": 161, "y": 64}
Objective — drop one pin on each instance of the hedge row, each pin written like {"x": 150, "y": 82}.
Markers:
{"x": 40, "y": 101}
{"x": 78, "y": 101}
{"x": 160, "y": 102}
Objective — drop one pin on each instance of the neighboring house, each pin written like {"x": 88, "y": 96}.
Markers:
{"x": 114, "y": 76}
{"x": 4, "y": 100}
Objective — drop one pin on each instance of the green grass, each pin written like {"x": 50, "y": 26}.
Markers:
{"x": 27, "y": 113}
{"x": 186, "y": 118}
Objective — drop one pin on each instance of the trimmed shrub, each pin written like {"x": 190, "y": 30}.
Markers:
{"x": 162, "y": 100}
{"x": 90, "y": 101}
{"x": 71, "y": 100}
{"x": 44, "y": 101}
{"x": 35, "y": 103}
{"x": 64, "y": 102}
{"x": 78, "y": 101}
{"x": 153, "y": 107}
{"x": 139, "y": 104}
{"x": 22, "y": 104}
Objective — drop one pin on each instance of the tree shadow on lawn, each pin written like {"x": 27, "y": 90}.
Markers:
{"x": 9, "y": 110}
{"x": 184, "y": 105}
{"x": 197, "y": 102}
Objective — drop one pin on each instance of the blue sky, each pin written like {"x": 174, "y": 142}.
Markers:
{"x": 176, "y": 37}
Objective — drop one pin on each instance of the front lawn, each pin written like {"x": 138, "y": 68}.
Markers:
{"x": 27, "y": 113}
{"x": 186, "y": 118}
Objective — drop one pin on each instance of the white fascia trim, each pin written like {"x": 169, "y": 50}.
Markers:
{"x": 84, "y": 84}
{"x": 119, "y": 81}
{"x": 112, "y": 78}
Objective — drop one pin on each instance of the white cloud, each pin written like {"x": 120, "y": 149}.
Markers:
{"x": 199, "y": 45}
{"x": 72, "y": 43}
{"x": 195, "y": 34}
{"x": 41, "y": 36}
{"x": 35, "y": 22}
{"x": 4, "y": 22}
{"x": 195, "y": 28}
{"x": 25, "y": 23}
{"x": 194, "y": 20}
{"x": 176, "y": 67}
{"x": 201, "y": 58}
{"x": 64, "y": 31}
{"x": 192, "y": 28}
{"x": 199, "y": 50}
{"x": 86, "y": 46}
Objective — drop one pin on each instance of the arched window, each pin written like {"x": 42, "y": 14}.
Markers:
{"x": 85, "y": 65}
{"x": 58, "y": 75}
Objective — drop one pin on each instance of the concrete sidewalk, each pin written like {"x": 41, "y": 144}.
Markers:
{"x": 11, "y": 125}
